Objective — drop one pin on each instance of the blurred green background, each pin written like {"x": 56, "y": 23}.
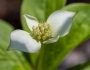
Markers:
{"x": 71, "y": 52}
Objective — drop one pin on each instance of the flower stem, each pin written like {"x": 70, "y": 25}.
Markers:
{"x": 39, "y": 65}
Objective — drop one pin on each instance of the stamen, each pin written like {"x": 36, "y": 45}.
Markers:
{"x": 42, "y": 32}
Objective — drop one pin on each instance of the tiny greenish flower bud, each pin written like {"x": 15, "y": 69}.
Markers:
{"x": 41, "y": 32}
{"x": 33, "y": 27}
{"x": 45, "y": 31}
{"x": 49, "y": 35}
{"x": 45, "y": 26}
{"x": 48, "y": 31}
{"x": 39, "y": 25}
{"x": 38, "y": 37}
{"x": 35, "y": 33}
{"x": 46, "y": 34}
{"x": 42, "y": 28}
{"x": 43, "y": 38}
{"x": 48, "y": 26}
{"x": 37, "y": 30}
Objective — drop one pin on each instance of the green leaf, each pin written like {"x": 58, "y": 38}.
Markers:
{"x": 52, "y": 54}
{"x": 76, "y": 7}
{"x": 10, "y": 60}
{"x": 83, "y": 66}
{"x": 53, "y": 5}
{"x": 40, "y": 9}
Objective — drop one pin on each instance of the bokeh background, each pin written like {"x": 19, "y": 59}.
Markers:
{"x": 10, "y": 12}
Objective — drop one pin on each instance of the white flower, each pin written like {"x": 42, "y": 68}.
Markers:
{"x": 57, "y": 25}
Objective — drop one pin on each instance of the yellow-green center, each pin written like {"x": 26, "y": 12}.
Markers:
{"x": 42, "y": 32}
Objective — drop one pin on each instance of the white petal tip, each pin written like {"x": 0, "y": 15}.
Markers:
{"x": 22, "y": 41}
{"x": 26, "y": 15}
{"x": 31, "y": 21}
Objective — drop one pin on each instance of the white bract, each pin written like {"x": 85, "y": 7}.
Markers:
{"x": 57, "y": 25}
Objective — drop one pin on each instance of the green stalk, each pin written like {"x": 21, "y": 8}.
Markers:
{"x": 39, "y": 64}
